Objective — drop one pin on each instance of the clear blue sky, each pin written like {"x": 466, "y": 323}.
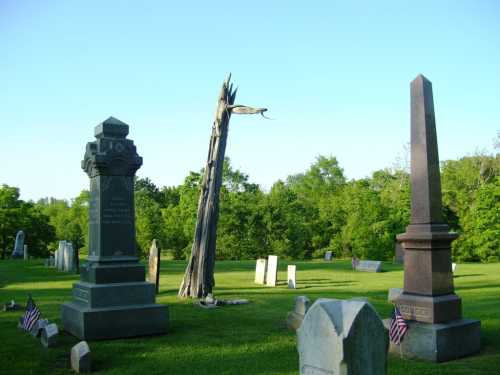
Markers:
{"x": 334, "y": 74}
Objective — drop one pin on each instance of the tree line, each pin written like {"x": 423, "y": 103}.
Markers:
{"x": 301, "y": 217}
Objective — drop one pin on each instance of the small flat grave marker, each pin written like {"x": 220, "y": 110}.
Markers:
{"x": 369, "y": 266}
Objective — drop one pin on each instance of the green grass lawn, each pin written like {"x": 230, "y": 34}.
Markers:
{"x": 245, "y": 339}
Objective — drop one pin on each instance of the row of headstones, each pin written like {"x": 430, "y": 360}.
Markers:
{"x": 339, "y": 336}
{"x": 48, "y": 334}
{"x": 65, "y": 258}
{"x": 266, "y": 272}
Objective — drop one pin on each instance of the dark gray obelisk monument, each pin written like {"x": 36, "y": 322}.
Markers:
{"x": 437, "y": 330}
{"x": 112, "y": 299}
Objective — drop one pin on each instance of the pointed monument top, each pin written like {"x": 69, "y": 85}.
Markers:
{"x": 423, "y": 80}
{"x": 112, "y": 128}
{"x": 113, "y": 121}
{"x": 425, "y": 175}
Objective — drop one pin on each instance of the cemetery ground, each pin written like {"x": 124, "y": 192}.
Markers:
{"x": 243, "y": 339}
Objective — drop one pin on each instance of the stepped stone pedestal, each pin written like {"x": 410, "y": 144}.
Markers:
{"x": 112, "y": 299}
{"x": 437, "y": 330}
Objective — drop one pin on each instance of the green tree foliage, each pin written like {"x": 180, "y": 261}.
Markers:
{"x": 470, "y": 196}
{"x": 15, "y": 215}
{"x": 69, "y": 219}
{"x": 148, "y": 220}
{"x": 299, "y": 218}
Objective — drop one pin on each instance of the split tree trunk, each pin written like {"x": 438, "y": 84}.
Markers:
{"x": 199, "y": 277}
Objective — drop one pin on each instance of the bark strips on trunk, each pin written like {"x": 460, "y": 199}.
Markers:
{"x": 199, "y": 276}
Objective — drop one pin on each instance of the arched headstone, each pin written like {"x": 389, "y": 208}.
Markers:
{"x": 342, "y": 337}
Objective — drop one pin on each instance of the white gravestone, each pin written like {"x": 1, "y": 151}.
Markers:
{"x": 56, "y": 257}
{"x": 328, "y": 256}
{"x": 80, "y": 357}
{"x": 294, "y": 318}
{"x": 36, "y": 331}
{"x": 260, "y": 271}
{"x": 369, "y": 266}
{"x": 292, "y": 280}
{"x": 69, "y": 259}
{"x": 272, "y": 270}
{"x": 394, "y": 294}
{"x": 342, "y": 337}
{"x": 453, "y": 267}
{"x": 49, "y": 335}
{"x": 60, "y": 256}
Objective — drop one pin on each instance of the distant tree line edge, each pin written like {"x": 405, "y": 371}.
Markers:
{"x": 300, "y": 218}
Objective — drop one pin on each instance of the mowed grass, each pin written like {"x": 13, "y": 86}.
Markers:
{"x": 245, "y": 339}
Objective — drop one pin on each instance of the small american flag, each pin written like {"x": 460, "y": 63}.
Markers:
{"x": 398, "y": 327}
{"x": 31, "y": 315}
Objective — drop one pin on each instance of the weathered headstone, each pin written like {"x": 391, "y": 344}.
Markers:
{"x": 291, "y": 275}
{"x": 113, "y": 299}
{"x": 453, "y": 267}
{"x": 272, "y": 270}
{"x": 80, "y": 357}
{"x": 61, "y": 255}
{"x": 399, "y": 255}
{"x": 56, "y": 258}
{"x": 260, "y": 271}
{"x": 342, "y": 337}
{"x": 36, "y": 331}
{"x": 394, "y": 294}
{"x": 49, "y": 334}
{"x": 25, "y": 252}
{"x": 369, "y": 266}
{"x": 154, "y": 265}
{"x": 19, "y": 246}
{"x": 428, "y": 300}
{"x": 328, "y": 256}
{"x": 294, "y": 318}
{"x": 69, "y": 258}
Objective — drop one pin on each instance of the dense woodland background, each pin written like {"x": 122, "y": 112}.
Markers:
{"x": 300, "y": 218}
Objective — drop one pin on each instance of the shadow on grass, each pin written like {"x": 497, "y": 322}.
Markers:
{"x": 469, "y": 275}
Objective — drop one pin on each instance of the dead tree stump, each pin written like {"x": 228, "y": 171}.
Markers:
{"x": 199, "y": 279}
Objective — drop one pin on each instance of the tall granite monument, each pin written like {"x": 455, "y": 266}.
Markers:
{"x": 437, "y": 330}
{"x": 112, "y": 299}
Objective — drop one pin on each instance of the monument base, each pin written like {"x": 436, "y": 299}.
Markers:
{"x": 114, "y": 322}
{"x": 430, "y": 309}
{"x": 439, "y": 342}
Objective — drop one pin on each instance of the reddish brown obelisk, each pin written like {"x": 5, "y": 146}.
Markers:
{"x": 437, "y": 331}
{"x": 428, "y": 281}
